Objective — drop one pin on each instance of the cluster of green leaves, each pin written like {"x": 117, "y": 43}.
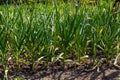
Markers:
{"x": 39, "y": 31}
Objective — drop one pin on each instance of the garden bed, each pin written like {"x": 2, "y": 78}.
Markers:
{"x": 68, "y": 71}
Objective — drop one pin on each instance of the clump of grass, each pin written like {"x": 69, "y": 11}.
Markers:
{"x": 36, "y": 31}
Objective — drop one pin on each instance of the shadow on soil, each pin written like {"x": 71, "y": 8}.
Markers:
{"x": 102, "y": 74}
{"x": 71, "y": 73}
